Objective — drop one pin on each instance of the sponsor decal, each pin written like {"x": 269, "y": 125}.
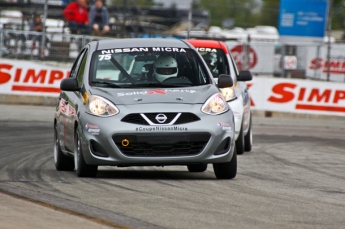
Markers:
{"x": 309, "y": 98}
{"x": 71, "y": 110}
{"x": 206, "y": 50}
{"x": 336, "y": 65}
{"x": 66, "y": 108}
{"x": 225, "y": 126}
{"x": 143, "y": 49}
{"x": 155, "y": 92}
{"x": 92, "y": 129}
{"x": 290, "y": 62}
{"x": 162, "y": 128}
{"x": 63, "y": 107}
{"x": 159, "y": 92}
{"x": 251, "y": 100}
{"x": 25, "y": 78}
{"x": 239, "y": 55}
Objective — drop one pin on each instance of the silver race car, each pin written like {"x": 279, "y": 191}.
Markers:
{"x": 143, "y": 102}
{"x": 220, "y": 61}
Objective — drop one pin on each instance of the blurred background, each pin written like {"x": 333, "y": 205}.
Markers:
{"x": 249, "y": 27}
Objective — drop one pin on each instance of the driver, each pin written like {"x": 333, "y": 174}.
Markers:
{"x": 165, "y": 67}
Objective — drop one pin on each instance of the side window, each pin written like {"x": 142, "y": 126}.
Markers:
{"x": 233, "y": 63}
{"x": 233, "y": 68}
{"x": 81, "y": 70}
{"x": 76, "y": 64}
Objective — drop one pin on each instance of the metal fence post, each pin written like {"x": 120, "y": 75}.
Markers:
{"x": 318, "y": 47}
{"x": 244, "y": 56}
{"x": 247, "y": 54}
{"x": 43, "y": 41}
{"x": 83, "y": 42}
{"x": 282, "y": 60}
{"x": 1, "y": 41}
{"x": 329, "y": 29}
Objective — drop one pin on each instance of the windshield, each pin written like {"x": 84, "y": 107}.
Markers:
{"x": 146, "y": 67}
{"x": 216, "y": 60}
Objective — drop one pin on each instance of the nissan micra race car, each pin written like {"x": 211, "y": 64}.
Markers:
{"x": 220, "y": 61}
{"x": 143, "y": 102}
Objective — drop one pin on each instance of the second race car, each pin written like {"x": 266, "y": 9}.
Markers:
{"x": 220, "y": 61}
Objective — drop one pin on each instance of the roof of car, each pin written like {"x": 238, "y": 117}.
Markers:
{"x": 141, "y": 42}
{"x": 208, "y": 44}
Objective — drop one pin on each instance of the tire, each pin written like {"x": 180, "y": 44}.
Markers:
{"x": 227, "y": 170}
{"x": 198, "y": 168}
{"x": 248, "y": 139}
{"x": 62, "y": 162}
{"x": 82, "y": 169}
{"x": 240, "y": 142}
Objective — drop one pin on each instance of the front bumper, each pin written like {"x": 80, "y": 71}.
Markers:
{"x": 109, "y": 141}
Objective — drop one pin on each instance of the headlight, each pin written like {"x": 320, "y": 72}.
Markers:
{"x": 215, "y": 105}
{"x": 228, "y": 93}
{"x": 101, "y": 107}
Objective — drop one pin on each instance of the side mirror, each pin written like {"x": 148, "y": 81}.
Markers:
{"x": 225, "y": 81}
{"x": 69, "y": 84}
{"x": 244, "y": 76}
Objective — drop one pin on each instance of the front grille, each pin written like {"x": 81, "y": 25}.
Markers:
{"x": 187, "y": 118}
{"x": 162, "y": 145}
{"x": 152, "y": 117}
{"x": 136, "y": 118}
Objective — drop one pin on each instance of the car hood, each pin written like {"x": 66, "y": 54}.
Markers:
{"x": 129, "y": 96}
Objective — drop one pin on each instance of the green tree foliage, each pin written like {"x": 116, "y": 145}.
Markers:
{"x": 243, "y": 12}
{"x": 269, "y": 14}
{"x": 249, "y": 13}
{"x": 139, "y": 3}
{"x": 338, "y": 14}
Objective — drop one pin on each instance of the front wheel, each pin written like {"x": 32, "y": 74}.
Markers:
{"x": 198, "y": 168}
{"x": 62, "y": 162}
{"x": 82, "y": 169}
{"x": 226, "y": 170}
{"x": 248, "y": 139}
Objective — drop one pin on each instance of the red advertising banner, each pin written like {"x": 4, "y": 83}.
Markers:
{"x": 269, "y": 94}
{"x": 29, "y": 78}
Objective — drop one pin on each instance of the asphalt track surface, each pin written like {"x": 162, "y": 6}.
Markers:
{"x": 294, "y": 177}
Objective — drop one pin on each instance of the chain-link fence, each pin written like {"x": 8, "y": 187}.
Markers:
{"x": 26, "y": 45}
{"x": 124, "y": 19}
{"x": 260, "y": 52}
{"x": 262, "y": 58}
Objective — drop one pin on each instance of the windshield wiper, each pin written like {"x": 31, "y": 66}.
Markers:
{"x": 106, "y": 83}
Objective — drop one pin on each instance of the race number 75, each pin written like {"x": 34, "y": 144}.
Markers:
{"x": 104, "y": 57}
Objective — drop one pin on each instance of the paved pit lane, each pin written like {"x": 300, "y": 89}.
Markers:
{"x": 293, "y": 178}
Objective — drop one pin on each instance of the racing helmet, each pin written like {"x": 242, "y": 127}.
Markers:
{"x": 165, "y": 67}
{"x": 210, "y": 61}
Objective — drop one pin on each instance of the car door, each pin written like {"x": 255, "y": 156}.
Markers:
{"x": 71, "y": 99}
{"x": 244, "y": 96}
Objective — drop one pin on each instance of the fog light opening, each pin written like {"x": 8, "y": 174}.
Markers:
{"x": 125, "y": 142}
